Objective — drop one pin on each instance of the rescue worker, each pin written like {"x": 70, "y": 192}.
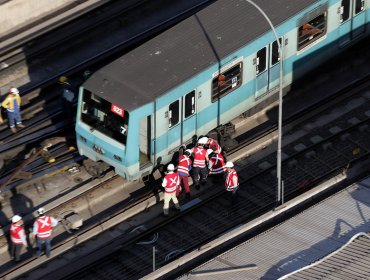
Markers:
{"x": 42, "y": 230}
{"x": 171, "y": 183}
{"x": 213, "y": 144}
{"x": 231, "y": 182}
{"x": 183, "y": 168}
{"x": 216, "y": 165}
{"x": 68, "y": 97}
{"x": 199, "y": 164}
{"x": 17, "y": 237}
{"x": 12, "y": 104}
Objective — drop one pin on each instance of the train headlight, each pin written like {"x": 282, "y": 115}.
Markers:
{"x": 98, "y": 149}
{"x": 83, "y": 139}
{"x": 117, "y": 158}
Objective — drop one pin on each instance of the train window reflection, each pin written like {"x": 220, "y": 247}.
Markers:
{"x": 344, "y": 10}
{"x": 311, "y": 31}
{"x": 226, "y": 82}
{"x": 275, "y": 57}
{"x": 261, "y": 60}
{"x": 189, "y": 104}
{"x": 98, "y": 113}
{"x": 359, "y": 6}
{"x": 173, "y": 113}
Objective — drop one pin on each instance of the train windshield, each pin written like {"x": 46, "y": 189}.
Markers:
{"x": 104, "y": 116}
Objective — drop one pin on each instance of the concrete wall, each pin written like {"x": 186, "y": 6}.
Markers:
{"x": 17, "y": 13}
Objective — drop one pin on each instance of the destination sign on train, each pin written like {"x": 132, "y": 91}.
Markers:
{"x": 117, "y": 110}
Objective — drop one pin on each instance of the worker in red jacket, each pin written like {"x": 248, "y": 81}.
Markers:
{"x": 42, "y": 230}
{"x": 171, "y": 183}
{"x": 216, "y": 165}
{"x": 213, "y": 144}
{"x": 231, "y": 182}
{"x": 17, "y": 237}
{"x": 183, "y": 168}
{"x": 199, "y": 164}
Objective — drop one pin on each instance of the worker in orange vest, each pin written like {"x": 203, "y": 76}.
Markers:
{"x": 17, "y": 237}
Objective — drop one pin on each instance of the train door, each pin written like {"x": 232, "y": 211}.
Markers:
{"x": 174, "y": 127}
{"x": 144, "y": 141}
{"x": 262, "y": 77}
{"x": 189, "y": 121}
{"x": 267, "y": 68}
{"x": 352, "y": 18}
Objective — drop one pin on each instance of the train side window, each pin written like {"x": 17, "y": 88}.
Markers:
{"x": 345, "y": 10}
{"x": 359, "y": 6}
{"x": 275, "y": 57}
{"x": 173, "y": 113}
{"x": 189, "y": 104}
{"x": 310, "y": 31}
{"x": 261, "y": 60}
{"x": 226, "y": 82}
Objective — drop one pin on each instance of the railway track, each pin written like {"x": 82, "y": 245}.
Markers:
{"x": 321, "y": 151}
{"x": 74, "y": 47}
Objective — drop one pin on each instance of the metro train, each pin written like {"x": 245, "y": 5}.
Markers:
{"x": 202, "y": 73}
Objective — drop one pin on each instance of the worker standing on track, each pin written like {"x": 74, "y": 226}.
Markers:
{"x": 42, "y": 230}
{"x": 231, "y": 182}
{"x": 199, "y": 165}
{"x": 171, "y": 183}
{"x": 183, "y": 168}
{"x": 12, "y": 104}
{"x": 17, "y": 237}
{"x": 216, "y": 165}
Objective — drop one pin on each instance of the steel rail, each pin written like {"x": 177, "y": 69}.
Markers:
{"x": 91, "y": 61}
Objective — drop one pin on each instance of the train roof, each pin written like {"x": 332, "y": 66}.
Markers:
{"x": 172, "y": 57}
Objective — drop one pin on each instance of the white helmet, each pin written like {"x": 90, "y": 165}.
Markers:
{"x": 41, "y": 211}
{"x": 16, "y": 219}
{"x": 209, "y": 151}
{"x": 203, "y": 140}
{"x": 229, "y": 164}
{"x": 170, "y": 167}
{"x": 14, "y": 90}
{"x": 188, "y": 151}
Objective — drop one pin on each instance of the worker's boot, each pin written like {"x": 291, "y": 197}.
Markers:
{"x": 13, "y": 129}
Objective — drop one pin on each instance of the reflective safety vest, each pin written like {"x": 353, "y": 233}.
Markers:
{"x": 213, "y": 144}
{"x": 199, "y": 157}
{"x": 217, "y": 164}
{"x": 184, "y": 165}
{"x": 172, "y": 182}
{"x": 229, "y": 182}
{"x": 14, "y": 234}
{"x": 44, "y": 227}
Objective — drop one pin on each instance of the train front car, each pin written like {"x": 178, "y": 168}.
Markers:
{"x": 102, "y": 130}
